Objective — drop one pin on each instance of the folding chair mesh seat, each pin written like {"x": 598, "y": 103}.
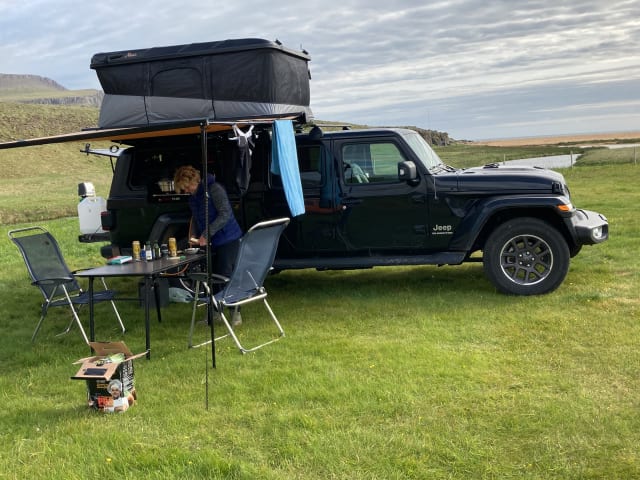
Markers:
{"x": 254, "y": 261}
{"x": 49, "y": 272}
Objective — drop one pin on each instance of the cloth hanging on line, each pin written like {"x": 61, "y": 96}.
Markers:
{"x": 242, "y": 175}
{"x": 284, "y": 162}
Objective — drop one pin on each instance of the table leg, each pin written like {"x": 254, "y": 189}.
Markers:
{"x": 92, "y": 328}
{"x": 156, "y": 288}
{"x": 147, "y": 287}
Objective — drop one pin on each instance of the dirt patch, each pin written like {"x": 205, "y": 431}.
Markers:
{"x": 591, "y": 139}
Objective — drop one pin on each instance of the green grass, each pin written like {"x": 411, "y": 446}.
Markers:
{"x": 39, "y": 183}
{"x": 408, "y": 372}
{"x": 464, "y": 155}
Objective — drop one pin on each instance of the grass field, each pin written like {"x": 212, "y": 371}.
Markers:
{"x": 396, "y": 373}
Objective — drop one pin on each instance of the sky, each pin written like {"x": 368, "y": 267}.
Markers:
{"x": 476, "y": 69}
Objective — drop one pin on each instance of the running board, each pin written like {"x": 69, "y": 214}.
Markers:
{"x": 353, "y": 263}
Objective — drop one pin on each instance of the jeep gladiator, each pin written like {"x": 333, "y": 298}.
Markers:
{"x": 373, "y": 197}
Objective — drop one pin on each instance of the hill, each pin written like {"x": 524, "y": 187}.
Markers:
{"x": 22, "y": 120}
{"x": 40, "y": 183}
{"x": 27, "y": 83}
{"x": 41, "y": 90}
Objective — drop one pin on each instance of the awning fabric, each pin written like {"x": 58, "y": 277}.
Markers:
{"x": 191, "y": 127}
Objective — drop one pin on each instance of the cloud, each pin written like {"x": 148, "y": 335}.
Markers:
{"x": 469, "y": 67}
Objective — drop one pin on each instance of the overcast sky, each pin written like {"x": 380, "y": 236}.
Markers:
{"x": 476, "y": 69}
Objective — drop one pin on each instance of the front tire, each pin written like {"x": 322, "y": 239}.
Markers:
{"x": 526, "y": 256}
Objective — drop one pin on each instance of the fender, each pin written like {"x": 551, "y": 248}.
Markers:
{"x": 485, "y": 209}
{"x": 169, "y": 221}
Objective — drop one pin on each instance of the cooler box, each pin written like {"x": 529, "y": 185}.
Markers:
{"x": 89, "y": 211}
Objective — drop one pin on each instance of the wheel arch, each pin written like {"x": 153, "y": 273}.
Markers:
{"x": 488, "y": 213}
{"x": 170, "y": 225}
{"x": 544, "y": 214}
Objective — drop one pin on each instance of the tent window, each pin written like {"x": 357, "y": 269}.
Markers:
{"x": 178, "y": 82}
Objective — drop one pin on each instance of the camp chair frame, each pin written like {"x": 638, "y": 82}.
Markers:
{"x": 55, "y": 281}
{"x": 245, "y": 285}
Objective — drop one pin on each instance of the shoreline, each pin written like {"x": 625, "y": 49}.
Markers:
{"x": 598, "y": 138}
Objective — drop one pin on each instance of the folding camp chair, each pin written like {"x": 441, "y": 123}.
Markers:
{"x": 254, "y": 261}
{"x": 49, "y": 272}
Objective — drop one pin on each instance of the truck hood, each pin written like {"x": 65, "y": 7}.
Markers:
{"x": 503, "y": 179}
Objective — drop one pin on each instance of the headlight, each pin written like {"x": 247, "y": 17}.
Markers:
{"x": 596, "y": 233}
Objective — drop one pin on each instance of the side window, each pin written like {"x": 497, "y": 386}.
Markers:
{"x": 149, "y": 167}
{"x": 310, "y": 165}
{"x": 370, "y": 162}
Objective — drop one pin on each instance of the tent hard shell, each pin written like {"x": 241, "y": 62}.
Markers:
{"x": 216, "y": 80}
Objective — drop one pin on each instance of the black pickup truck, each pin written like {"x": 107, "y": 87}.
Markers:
{"x": 373, "y": 197}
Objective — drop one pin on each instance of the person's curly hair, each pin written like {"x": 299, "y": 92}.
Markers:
{"x": 184, "y": 176}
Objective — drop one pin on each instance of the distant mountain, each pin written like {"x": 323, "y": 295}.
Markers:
{"x": 27, "y": 83}
{"x": 35, "y": 89}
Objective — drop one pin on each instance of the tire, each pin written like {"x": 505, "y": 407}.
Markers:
{"x": 526, "y": 256}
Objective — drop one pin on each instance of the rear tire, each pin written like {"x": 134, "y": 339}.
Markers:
{"x": 526, "y": 256}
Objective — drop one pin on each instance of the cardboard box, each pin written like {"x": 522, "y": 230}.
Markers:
{"x": 111, "y": 366}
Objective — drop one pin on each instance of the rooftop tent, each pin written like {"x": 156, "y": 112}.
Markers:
{"x": 222, "y": 80}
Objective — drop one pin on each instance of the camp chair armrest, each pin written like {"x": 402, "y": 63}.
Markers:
{"x": 52, "y": 281}
{"x": 202, "y": 277}
{"x": 219, "y": 278}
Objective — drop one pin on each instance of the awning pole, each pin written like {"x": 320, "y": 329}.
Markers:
{"x": 205, "y": 174}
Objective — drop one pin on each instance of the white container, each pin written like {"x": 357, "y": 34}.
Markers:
{"x": 89, "y": 210}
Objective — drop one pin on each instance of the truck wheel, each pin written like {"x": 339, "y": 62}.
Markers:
{"x": 526, "y": 256}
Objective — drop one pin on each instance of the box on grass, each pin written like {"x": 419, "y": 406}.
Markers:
{"x": 109, "y": 376}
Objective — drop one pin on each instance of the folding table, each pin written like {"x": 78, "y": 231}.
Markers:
{"x": 150, "y": 270}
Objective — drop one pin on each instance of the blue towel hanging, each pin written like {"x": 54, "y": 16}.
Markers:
{"x": 285, "y": 163}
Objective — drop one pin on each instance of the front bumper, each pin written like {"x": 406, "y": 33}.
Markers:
{"x": 590, "y": 227}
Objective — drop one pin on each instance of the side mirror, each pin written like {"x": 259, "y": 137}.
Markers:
{"x": 407, "y": 171}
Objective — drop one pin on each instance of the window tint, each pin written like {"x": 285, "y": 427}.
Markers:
{"x": 310, "y": 165}
{"x": 151, "y": 166}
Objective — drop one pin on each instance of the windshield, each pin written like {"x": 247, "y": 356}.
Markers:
{"x": 423, "y": 151}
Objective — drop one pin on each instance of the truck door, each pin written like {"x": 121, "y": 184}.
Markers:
{"x": 315, "y": 231}
{"x": 380, "y": 212}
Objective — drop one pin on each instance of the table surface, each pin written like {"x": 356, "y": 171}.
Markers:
{"x": 141, "y": 268}
{"x": 147, "y": 269}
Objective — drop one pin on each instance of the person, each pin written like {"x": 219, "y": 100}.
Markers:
{"x": 221, "y": 229}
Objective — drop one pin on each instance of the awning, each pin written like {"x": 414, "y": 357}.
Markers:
{"x": 186, "y": 127}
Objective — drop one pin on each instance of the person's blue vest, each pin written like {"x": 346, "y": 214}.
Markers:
{"x": 231, "y": 231}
